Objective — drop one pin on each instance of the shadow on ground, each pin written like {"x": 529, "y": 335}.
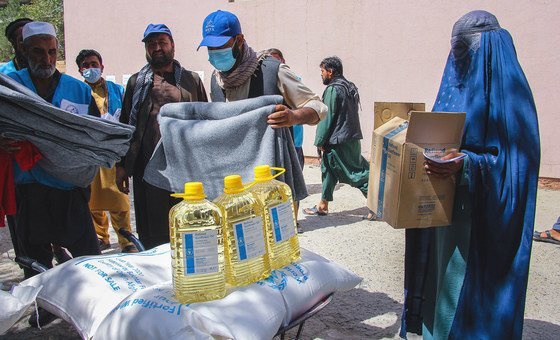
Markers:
{"x": 58, "y": 329}
{"x": 356, "y": 314}
{"x": 313, "y": 189}
{"x": 333, "y": 219}
{"x": 542, "y": 330}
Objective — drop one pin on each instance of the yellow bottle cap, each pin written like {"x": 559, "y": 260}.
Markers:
{"x": 233, "y": 184}
{"x": 193, "y": 191}
{"x": 262, "y": 173}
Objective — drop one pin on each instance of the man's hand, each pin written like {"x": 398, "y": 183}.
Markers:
{"x": 444, "y": 170}
{"x": 8, "y": 145}
{"x": 122, "y": 180}
{"x": 283, "y": 116}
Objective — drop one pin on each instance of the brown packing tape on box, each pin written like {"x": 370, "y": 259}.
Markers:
{"x": 400, "y": 191}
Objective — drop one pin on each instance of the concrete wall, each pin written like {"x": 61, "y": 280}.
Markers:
{"x": 392, "y": 50}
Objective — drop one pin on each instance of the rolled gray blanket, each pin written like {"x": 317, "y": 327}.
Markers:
{"x": 205, "y": 142}
{"x": 73, "y": 146}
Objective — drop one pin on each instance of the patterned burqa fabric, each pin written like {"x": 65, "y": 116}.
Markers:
{"x": 469, "y": 280}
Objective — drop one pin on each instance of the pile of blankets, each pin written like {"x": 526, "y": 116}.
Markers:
{"x": 72, "y": 146}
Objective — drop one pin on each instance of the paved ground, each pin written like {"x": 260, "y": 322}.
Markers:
{"x": 374, "y": 251}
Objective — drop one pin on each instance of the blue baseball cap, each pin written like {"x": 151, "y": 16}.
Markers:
{"x": 218, "y": 28}
{"x": 156, "y": 29}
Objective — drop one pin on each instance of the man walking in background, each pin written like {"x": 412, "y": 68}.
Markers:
{"x": 338, "y": 136}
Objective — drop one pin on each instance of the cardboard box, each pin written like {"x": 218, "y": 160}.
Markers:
{"x": 385, "y": 111}
{"x": 400, "y": 191}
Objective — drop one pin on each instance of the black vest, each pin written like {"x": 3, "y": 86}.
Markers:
{"x": 347, "y": 121}
{"x": 263, "y": 82}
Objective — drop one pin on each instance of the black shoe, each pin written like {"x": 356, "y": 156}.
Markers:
{"x": 104, "y": 245}
{"x": 299, "y": 228}
{"x": 44, "y": 318}
{"x": 61, "y": 255}
{"x": 131, "y": 248}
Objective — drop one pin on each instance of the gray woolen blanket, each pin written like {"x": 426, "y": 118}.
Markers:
{"x": 204, "y": 142}
{"x": 73, "y": 146}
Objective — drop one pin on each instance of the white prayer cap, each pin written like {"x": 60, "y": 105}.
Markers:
{"x": 37, "y": 28}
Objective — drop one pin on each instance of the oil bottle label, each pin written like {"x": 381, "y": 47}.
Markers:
{"x": 250, "y": 238}
{"x": 282, "y": 220}
{"x": 201, "y": 252}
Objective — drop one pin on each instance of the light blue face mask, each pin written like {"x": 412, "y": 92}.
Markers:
{"x": 92, "y": 75}
{"x": 222, "y": 59}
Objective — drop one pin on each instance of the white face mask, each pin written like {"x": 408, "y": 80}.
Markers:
{"x": 92, "y": 75}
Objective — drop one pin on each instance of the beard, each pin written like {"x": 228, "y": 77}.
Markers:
{"x": 326, "y": 81}
{"x": 160, "y": 59}
{"x": 40, "y": 71}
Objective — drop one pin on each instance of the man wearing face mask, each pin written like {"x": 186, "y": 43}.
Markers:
{"x": 241, "y": 73}
{"x": 105, "y": 196}
{"x": 13, "y": 34}
{"x": 162, "y": 80}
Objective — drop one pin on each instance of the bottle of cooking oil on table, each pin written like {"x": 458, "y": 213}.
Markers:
{"x": 280, "y": 219}
{"x": 244, "y": 234}
{"x": 197, "y": 248}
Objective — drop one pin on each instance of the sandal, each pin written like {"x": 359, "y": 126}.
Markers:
{"x": 370, "y": 216}
{"x": 548, "y": 238}
{"x": 131, "y": 248}
{"x": 314, "y": 211}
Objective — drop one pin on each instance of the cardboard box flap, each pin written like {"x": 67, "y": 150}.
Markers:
{"x": 436, "y": 127}
{"x": 389, "y": 128}
{"x": 385, "y": 111}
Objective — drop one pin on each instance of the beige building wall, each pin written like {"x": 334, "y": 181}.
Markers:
{"x": 392, "y": 50}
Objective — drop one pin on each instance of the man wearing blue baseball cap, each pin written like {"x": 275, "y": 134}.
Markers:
{"x": 162, "y": 80}
{"x": 242, "y": 73}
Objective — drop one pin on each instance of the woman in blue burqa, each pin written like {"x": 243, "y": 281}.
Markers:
{"x": 469, "y": 280}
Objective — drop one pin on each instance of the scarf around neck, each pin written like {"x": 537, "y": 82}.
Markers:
{"x": 144, "y": 83}
{"x": 245, "y": 69}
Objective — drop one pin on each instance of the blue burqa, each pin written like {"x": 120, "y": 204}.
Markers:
{"x": 469, "y": 280}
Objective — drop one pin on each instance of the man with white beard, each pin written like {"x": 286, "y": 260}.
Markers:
{"x": 49, "y": 210}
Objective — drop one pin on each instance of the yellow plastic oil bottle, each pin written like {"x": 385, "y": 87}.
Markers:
{"x": 280, "y": 218}
{"x": 244, "y": 234}
{"x": 197, "y": 248}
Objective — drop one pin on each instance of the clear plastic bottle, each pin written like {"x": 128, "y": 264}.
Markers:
{"x": 280, "y": 218}
{"x": 197, "y": 248}
{"x": 244, "y": 234}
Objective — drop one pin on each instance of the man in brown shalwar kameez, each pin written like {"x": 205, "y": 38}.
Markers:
{"x": 161, "y": 81}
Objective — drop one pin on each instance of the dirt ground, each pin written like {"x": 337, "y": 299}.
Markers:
{"x": 374, "y": 251}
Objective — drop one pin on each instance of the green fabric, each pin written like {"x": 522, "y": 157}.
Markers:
{"x": 325, "y": 126}
{"x": 446, "y": 280}
{"x": 344, "y": 163}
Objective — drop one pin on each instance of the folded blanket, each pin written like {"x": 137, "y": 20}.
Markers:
{"x": 73, "y": 146}
{"x": 205, "y": 142}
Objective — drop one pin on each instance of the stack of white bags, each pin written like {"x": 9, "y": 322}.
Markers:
{"x": 130, "y": 296}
